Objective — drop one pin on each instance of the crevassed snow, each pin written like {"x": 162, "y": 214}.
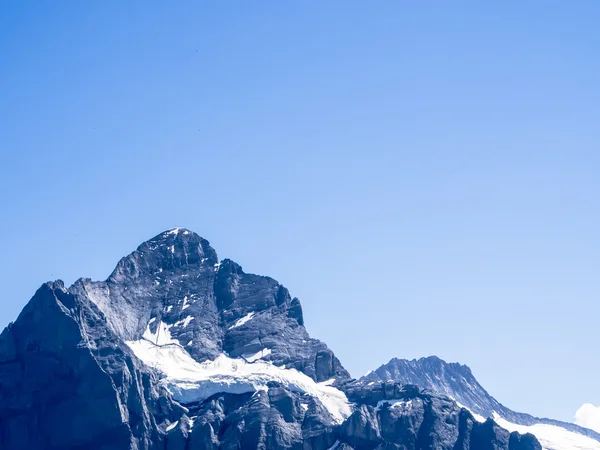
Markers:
{"x": 190, "y": 381}
{"x": 551, "y": 437}
{"x": 256, "y": 356}
{"x": 243, "y": 320}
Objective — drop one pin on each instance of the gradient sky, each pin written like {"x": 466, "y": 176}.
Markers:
{"x": 424, "y": 177}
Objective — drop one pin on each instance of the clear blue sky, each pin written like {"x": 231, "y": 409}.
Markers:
{"x": 425, "y": 178}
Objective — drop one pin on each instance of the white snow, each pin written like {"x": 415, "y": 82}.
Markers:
{"x": 477, "y": 417}
{"x": 552, "y": 437}
{"x": 251, "y": 357}
{"x": 185, "y": 322}
{"x": 162, "y": 336}
{"x": 395, "y": 403}
{"x": 169, "y": 309}
{"x": 174, "y": 231}
{"x": 173, "y": 425}
{"x": 243, "y": 320}
{"x": 172, "y": 248}
{"x": 186, "y": 304}
{"x": 335, "y": 445}
{"x": 190, "y": 381}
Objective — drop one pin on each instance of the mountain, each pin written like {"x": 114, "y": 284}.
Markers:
{"x": 179, "y": 350}
{"x": 457, "y": 382}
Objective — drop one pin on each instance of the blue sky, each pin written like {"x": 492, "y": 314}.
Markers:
{"x": 423, "y": 177}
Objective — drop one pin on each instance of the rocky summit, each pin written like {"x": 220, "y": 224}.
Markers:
{"x": 179, "y": 350}
{"x": 458, "y": 382}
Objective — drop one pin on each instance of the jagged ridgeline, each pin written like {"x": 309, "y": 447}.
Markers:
{"x": 178, "y": 350}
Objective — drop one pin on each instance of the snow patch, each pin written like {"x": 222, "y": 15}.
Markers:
{"x": 251, "y": 357}
{"x": 185, "y": 322}
{"x": 242, "y": 321}
{"x": 186, "y": 304}
{"x": 173, "y": 425}
{"x": 173, "y": 231}
{"x": 551, "y": 437}
{"x": 395, "y": 403}
{"x": 477, "y": 417}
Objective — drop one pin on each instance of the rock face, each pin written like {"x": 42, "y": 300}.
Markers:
{"x": 396, "y": 416}
{"x": 457, "y": 381}
{"x": 178, "y": 350}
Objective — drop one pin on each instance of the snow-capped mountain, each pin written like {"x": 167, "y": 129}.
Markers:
{"x": 457, "y": 382}
{"x": 178, "y": 350}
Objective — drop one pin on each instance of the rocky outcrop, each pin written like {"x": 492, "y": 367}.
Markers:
{"x": 67, "y": 382}
{"x": 391, "y": 415}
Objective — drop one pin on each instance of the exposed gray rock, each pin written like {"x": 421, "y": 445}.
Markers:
{"x": 405, "y": 417}
{"x": 457, "y": 380}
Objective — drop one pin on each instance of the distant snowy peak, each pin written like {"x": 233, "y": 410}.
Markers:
{"x": 458, "y": 382}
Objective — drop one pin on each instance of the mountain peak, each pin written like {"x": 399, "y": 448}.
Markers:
{"x": 174, "y": 249}
{"x": 175, "y": 350}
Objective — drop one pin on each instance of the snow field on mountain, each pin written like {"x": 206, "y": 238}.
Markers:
{"x": 551, "y": 437}
{"x": 190, "y": 381}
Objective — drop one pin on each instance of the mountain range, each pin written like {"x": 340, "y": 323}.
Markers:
{"x": 179, "y": 350}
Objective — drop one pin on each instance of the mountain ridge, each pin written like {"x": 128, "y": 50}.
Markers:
{"x": 178, "y": 350}
{"x": 457, "y": 380}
